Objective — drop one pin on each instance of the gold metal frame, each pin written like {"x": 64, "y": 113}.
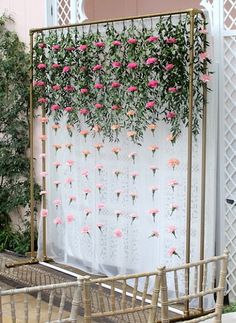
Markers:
{"x": 192, "y": 13}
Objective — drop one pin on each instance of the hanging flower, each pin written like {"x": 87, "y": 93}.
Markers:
{"x": 69, "y": 180}
{"x": 98, "y": 86}
{"x": 56, "y": 47}
{"x": 118, "y": 214}
{"x": 57, "y": 183}
{"x": 57, "y": 202}
{"x": 43, "y": 137}
{"x": 86, "y": 192}
{"x": 57, "y": 164}
{"x": 116, "y": 151}
{"x": 42, "y": 100}
{"x": 170, "y": 115}
{"x": 154, "y": 169}
{"x": 169, "y": 67}
{"x": 131, "y": 134}
{"x": 100, "y": 226}
{"x": 173, "y": 208}
{"x": 172, "y": 251}
{"x": 133, "y": 196}
{"x": 132, "y": 41}
{"x": 55, "y": 127}
{"x": 87, "y": 212}
{"x": 55, "y": 65}
{"x": 44, "y": 119}
{"x": 132, "y": 89}
{"x": 205, "y": 78}
{"x": 116, "y": 64}
{"x": 57, "y": 220}
{"x": 42, "y": 45}
{"x": 99, "y": 167}
{"x": 69, "y": 146}
{"x": 84, "y": 133}
{"x": 171, "y": 40}
{"x": 133, "y": 156}
{"x": 99, "y": 44}
{"x": 154, "y": 233}
{"x": 132, "y": 65}
{"x": 134, "y": 176}
{"x": 172, "y": 89}
{"x": 115, "y": 84}
{"x": 98, "y": 105}
{"x": 115, "y": 127}
{"x": 153, "y": 190}
{"x": 55, "y": 87}
{"x": 153, "y": 83}
{"x": 116, "y": 107}
{"x": 43, "y": 174}
{"x": 153, "y": 149}
{"x": 83, "y": 48}
{"x": 153, "y": 212}
{"x": 68, "y": 109}
{"x": 70, "y": 163}
{"x": 116, "y": 43}
{"x": 85, "y": 173}
{"x": 172, "y": 229}
{"x": 203, "y": 30}
{"x": 118, "y": 193}
{"x": 133, "y": 216}
{"x": 72, "y": 198}
{"x": 99, "y": 187}
{"x": 100, "y": 206}
{"x": 203, "y": 56}
{"x": 151, "y": 60}
{"x": 69, "y": 88}
{"x": 57, "y": 147}
{"x": 117, "y": 233}
{"x": 131, "y": 113}
{"x": 117, "y": 172}
{"x": 97, "y": 67}
{"x": 69, "y": 127}
{"x": 98, "y": 146}
{"x": 66, "y": 69}
{"x": 171, "y": 138}
{"x": 173, "y": 183}
{"x": 70, "y": 218}
{"x": 173, "y": 162}
{"x": 97, "y": 128}
{"x": 84, "y": 91}
{"x": 152, "y": 39}
{"x": 152, "y": 127}
{"x": 150, "y": 104}
{"x": 41, "y": 66}
{"x": 86, "y": 153}
{"x": 44, "y": 213}
{"x": 84, "y": 112}
{"x": 85, "y": 230}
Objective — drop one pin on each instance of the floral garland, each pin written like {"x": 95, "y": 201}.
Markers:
{"x": 128, "y": 80}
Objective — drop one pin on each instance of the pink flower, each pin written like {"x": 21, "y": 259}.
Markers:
{"x": 173, "y": 162}
{"x": 205, "y": 78}
{"x": 57, "y": 220}
{"x": 43, "y": 137}
{"x": 70, "y": 218}
{"x": 118, "y": 193}
{"x": 44, "y": 213}
{"x": 173, "y": 183}
{"x": 56, "y": 87}
{"x": 85, "y": 230}
{"x": 84, "y": 112}
{"x": 117, "y": 172}
{"x": 55, "y": 107}
{"x": 57, "y": 183}
{"x": 172, "y": 90}
{"x": 55, "y": 127}
{"x": 39, "y": 83}
{"x": 56, "y": 65}
{"x": 172, "y": 229}
{"x": 153, "y": 212}
{"x": 133, "y": 196}
{"x": 172, "y": 251}
{"x": 150, "y": 104}
{"x": 116, "y": 151}
{"x": 153, "y": 149}
{"x": 82, "y": 48}
{"x": 99, "y": 167}
{"x": 203, "y": 56}
{"x": 152, "y": 127}
{"x": 85, "y": 173}
{"x": 57, "y": 146}
{"x": 169, "y": 67}
{"x": 100, "y": 206}
{"x": 98, "y": 105}
{"x": 56, "y": 164}
{"x": 152, "y": 39}
{"x": 100, "y": 226}
{"x": 151, "y": 60}
{"x": 70, "y": 163}
{"x": 70, "y": 49}
{"x": 86, "y": 192}
{"x": 84, "y": 133}
{"x": 97, "y": 68}
{"x": 170, "y": 115}
{"x": 153, "y": 190}
{"x": 116, "y": 43}
{"x": 69, "y": 88}
{"x": 56, "y": 47}
{"x": 98, "y": 146}
{"x": 154, "y": 233}
{"x": 116, "y": 108}
{"x": 132, "y": 88}
{"x": 57, "y": 202}
{"x": 153, "y": 169}
{"x": 133, "y": 156}
{"x": 87, "y": 212}
{"x": 43, "y": 174}
{"x": 66, "y": 69}
{"x": 134, "y": 175}
{"x": 132, "y": 41}
{"x": 171, "y": 40}
{"x": 115, "y": 84}
{"x": 118, "y": 233}
{"x": 84, "y": 91}
{"x": 98, "y": 86}
{"x": 118, "y": 214}
{"x": 132, "y": 65}
{"x": 99, "y": 187}
{"x": 170, "y": 138}
{"x": 42, "y": 45}
{"x": 173, "y": 207}
{"x": 203, "y": 31}
{"x": 133, "y": 216}
{"x": 99, "y": 44}
{"x": 69, "y": 180}
{"x": 153, "y": 83}
{"x": 69, "y": 146}
{"x": 42, "y": 100}
{"x": 116, "y": 64}
{"x": 68, "y": 109}
{"x": 41, "y": 66}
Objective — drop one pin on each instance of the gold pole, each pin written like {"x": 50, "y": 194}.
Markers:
{"x": 203, "y": 178}
{"x": 44, "y": 186}
{"x": 189, "y": 160}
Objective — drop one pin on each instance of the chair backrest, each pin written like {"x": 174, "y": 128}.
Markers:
{"x": 199, "y": 280}
{"x": 47, "y": 303}
{"x": 115, "y": 296}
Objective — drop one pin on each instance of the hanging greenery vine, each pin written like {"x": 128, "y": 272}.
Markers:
{"x": 121, "y": 79}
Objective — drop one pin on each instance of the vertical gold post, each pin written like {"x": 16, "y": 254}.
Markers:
{"x": 31, "y": 150}
{"x": 189, "y": 161}
{"x": 44, "y": 205}
{"x": 203, "y": 179}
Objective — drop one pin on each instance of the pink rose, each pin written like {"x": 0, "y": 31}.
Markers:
{"x": 172, "y": 89}
{"x": 83, "y": 91}
{"x": 41, "y": 66}
{"x": 150, "y": 104}
{"x": 116, "y": 64}
{"x": 84, "y": 112}
{"x": 66, "y": 69}
{"x": 152, "y": 39}
{"x": 171, "y": 40}
{"x": 69, "y": 88}
{"x": 97, "y": 67}
{"x": 56, "y": 47}
{"x": 55, "y": 65}
{"x": 56, "y": 87}
{"x": 98, "y": 86}
{"x": 169, "y": 67}
{"x": 151, "y": 60}
{"x": 153, "y": 83}
{"x": 132, "y": 89}
{"x": 132, "y": 41}
{"x": 170, "y": 115}
{"x": 99, "y": 44}
{"x": 132, "y": 65}
{"x": 99, "y": 106}
{"x": 115, "y": 84}
{"x": 55, "y": 107}
{"x": 82, "y": 48}
{"x": 42, "y": 100}
{"x": 116, "y": 43}
{"x": 42, "y": 45}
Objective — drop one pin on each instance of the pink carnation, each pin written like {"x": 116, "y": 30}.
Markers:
{"x": 66, "y": 69}
{"x": 42, "y": 100}
{"x": 97, "y": 67}
{"x": 56, "y": 65}
{"x": 152, "y": 39}
{"x": 99, "y": 44}
{"x": 42, "y": 45}
{"x": 56, "y": 87}
{"x": 205, "y": 78}
{"x": 151, "y": 60}
{"x": 69, "y": 88}
{"x": 116, "y": 64}
{"x": 116, "y": 107}
{"x": 153, "y": 83}
{"x": 82, "y": 48}
{"x": 171, "y": 40}
{"x": 84, "y": 111}
{"x": 132, "y": 41}
{"x": 132, "y": 65}
{"x": 68, "y": 109}
{"x": 118, "y": 233}
{"x": 172, "y": 89}
{"x": 169, "y": 67}
{"x": 85, "y": 230}
{"x": 170, "y": 115}
{"x": 44, "y": 212}
{"x": 57, "y": 220}
{"x": 55, "y": 107}
{"x": 132, "y": 89}
{"x": 84, "y": 90}
{"x": 116, "y": 43}
{"x": 150, "y": 104}
{"x": 41, "y": 66}
{"x": 115, "y": 84}
{"x": 98, "y": 86}
{"x": 98, "y": 105}
{"x": 70, "y": 218}
{"x": 56, "y": 47}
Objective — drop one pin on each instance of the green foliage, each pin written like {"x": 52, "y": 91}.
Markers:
{"x": 14, "y": 129}
{"x": 230, "y": 308}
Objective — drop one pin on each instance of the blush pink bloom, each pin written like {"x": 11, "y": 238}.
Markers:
{"x": 97, "y": 67}
{"x": 39, "y": 83}
{"x": 43, "y": 137}
{"x": 84, "y": 91}
{"x": 57, "y": 220}
{"x": 57, "y": 183}
{"x": 42, "y": 45}
{"x": 118, "y": 233}
{"x": 66, "y": 69}
{"x": 84, "y": 112}
{"x": 69, "y": 146}
{"x": 69, "y": 88}
{"x": 87, "y": 212}
{"x": 116, "y": 151}
{"x": 132, "y": 65}
{"x": 154, "y": 233}
{"x": 153, "y": 212}
{"x": 100, "y": 206}
{"x": 70, "y": 218}
{"x": 57, "y": 202}
{"x": 70, "y": 163}
{"x": 98, "y": 86}
{"x": 57, "y": 146}
{"x": 41, "y": 66}
{"x": 203, "y": 56}
{"x": 56, "y": 47}
{"x": 150, "y": 104}
{"x": 44, "y": 119}
{"x": 100, "y": 226}
{"x": 153, "y": 169}
{"x": 56, "y": 87}
{"x": 44, "y": 213}
{"x": 85, "y": 230}
{"x": 171, "y": 40}
{"x": 151, "y": 60}
{"x": 132, "y": 41}
{"x": 170, "y": 115}
{"x": 152, "y": 39}
{"x": 169, "y": 67}
{"x": 86, "y": 192}
{"x": 68, "y": 109}
{"x": 153, "y": 190}
{"x": 132, "y": 156}
{"x": 116, "y": 43}
{"x": 173, "y": 162}
{"x": 82, "y": 48}
{"x": 133, "y": 216}
{"x": 173, "y": 183}
{"x": 116, "y": 64}
{"x": 115, "y": 84}
{"x": 173, "y": 208}
{"x": 153, "y": 149}
{"x": 116, "y": 108}
{"x": 56, "y": 164}
{"x": 99, "y": 44}
{"x": 42, "y": 100}
{"x": 99, "y": 167}
{"x": 172, "y": 89}
{"x": 133, "y": 196}
{"x": 153, "y": 83}
{"x": 55, "y": 107}
{"x": 203, "y": 30}
{"x": 172, "y": 251}
{"x": 99, "y": 186}
{"x": 132, "y": 89}
{"x": 98, "y": 105}
{"x": 134, "y": 176}
{"x": 43, "y": 174}
{"x": 69, "y": 180}
{"x": 205, "y": 78}
{"x": 55, "y": 127}
{"x": 118, "y": 214}
{"x": 172, "y": 229}
{"x": 56, "y": 65}
{"x": 98, "y": 146}
{"x": 85, "y": 173}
